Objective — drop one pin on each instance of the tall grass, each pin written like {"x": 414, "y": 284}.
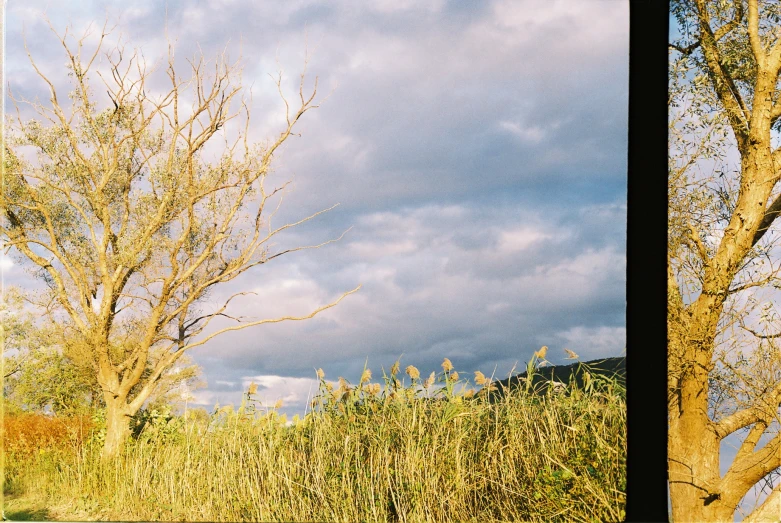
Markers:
{"x": 422, "y": 451}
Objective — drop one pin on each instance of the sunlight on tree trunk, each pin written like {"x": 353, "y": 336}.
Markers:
{"x": 117, "y": 426}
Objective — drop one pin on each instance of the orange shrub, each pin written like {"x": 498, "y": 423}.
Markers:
{"x": 28, "y": 432}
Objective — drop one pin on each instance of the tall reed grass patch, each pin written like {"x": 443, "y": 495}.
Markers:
{"x": 403, "y": 448}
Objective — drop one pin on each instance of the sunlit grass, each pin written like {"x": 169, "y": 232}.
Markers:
{"x": 398, "y": 449}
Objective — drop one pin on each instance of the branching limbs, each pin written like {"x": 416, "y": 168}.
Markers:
{"x": 721, "y": 248}
{"x": 137, "y": 210}
{"x": 171, "y": 357}
{"x": 720, "y": 33}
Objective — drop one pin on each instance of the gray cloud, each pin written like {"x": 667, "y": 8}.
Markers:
{"x": 478, "y": 151}
{"x": 430, "y": 292}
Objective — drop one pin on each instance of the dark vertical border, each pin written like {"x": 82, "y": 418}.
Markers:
{"x": 646, "y": 262}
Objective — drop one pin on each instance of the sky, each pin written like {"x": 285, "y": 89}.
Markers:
{"x": 477, "y": 151}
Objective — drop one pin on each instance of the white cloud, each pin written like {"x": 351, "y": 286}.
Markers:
{"x": 394, "y": 6}
{"x": 531, "y": 134}
{"x": 497, "y": 306}
{"x": 193, "y": 18}
{"x": 520, "y": 238}
{"x": 595, "y": 342}
{"x": 596, "y": 264}
{"x": 294, "y": 392}
{"x": 285, "y": 294}
{"x": 374, "y": 250}
{"x": 597, "y": 22}
{"x": 208, "y": 398}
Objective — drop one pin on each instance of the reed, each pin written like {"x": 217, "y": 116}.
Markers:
{"x": 376, "y": 451}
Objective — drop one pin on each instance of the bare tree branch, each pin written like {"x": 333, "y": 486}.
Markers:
{"x": 133, "y": 216}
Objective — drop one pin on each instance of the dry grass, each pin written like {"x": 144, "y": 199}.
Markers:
{"x": 369, "y": 452}
{"x": 28, "y": 433}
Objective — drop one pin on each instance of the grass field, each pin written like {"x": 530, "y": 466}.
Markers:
{"x": 429, "y": 450}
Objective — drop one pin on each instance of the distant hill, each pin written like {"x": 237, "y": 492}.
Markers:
{"x": 608, "y": 367}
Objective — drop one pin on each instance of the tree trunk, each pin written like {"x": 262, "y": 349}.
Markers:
{"x": 694, "y": 476}
{"x": 117, "y": 427}
{"x": 693, "y": 446}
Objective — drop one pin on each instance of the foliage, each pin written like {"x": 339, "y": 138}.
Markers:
{"x": 46, "y": 372}
{"x": 40, "y": 374}
{"x": 48, "y": 380}
{"x": 406, "y": 452}
{"x": 158, "y": 426}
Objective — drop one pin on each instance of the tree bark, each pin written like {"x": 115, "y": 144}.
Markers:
{"x": 117, "y": 426}
{"x": 694, "y": 479}
{"x": 693, "y": 445}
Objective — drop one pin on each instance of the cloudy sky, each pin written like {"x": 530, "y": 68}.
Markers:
{"x": 477, "y": 150}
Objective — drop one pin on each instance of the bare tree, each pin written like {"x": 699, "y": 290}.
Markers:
{"x": 724, "y": 96}
{"x": 130, "y": 222}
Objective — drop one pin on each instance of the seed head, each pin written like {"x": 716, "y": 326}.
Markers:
{"x": 343, "y": 384}
{"x": 454, "y": 376}
{"x": 542, "y": 352}
{"x": 374, "y": 389}
{"x": 320, "y": 373}
{"x": 469, "y": 393}
{"x": 446, "y": 365}
{"x": 253, "y": 388}
{"x": 278, "y": 404}
{"x": 366, "y": 376}
{"x": 479, "y": 377}
{"x": 413, "y": 372}
{"x": 395, "y": 368}
{"x": 430, "y": 380}
{"x": 571, "y": 355}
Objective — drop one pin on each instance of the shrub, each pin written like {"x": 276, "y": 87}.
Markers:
{"x": 27, "y": 433}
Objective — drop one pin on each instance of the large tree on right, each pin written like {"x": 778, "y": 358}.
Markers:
{"x": 724, "y": 372}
